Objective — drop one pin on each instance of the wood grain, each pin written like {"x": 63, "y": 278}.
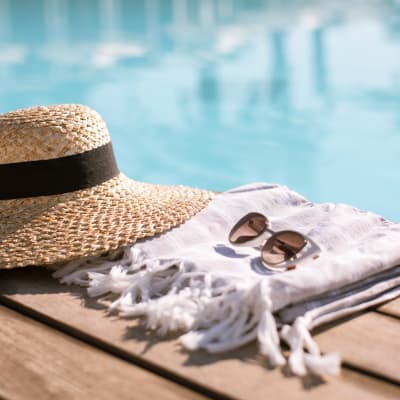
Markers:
{"x": 391, "y": 308}
{"x": 38, "y": 362}
{"x": 370, "y": 341}
{"x": 239, "y": 374}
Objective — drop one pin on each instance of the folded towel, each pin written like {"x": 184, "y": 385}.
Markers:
{"x": 192, "y": 279}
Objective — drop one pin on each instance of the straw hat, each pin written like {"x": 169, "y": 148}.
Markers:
{"x": 62, "y": 196}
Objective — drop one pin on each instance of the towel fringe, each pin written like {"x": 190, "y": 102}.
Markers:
{"x": 218, "y": 312}
{"x": 298, "y": 337}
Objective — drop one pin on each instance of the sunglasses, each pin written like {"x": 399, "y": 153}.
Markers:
{"x": 280, "y": 249}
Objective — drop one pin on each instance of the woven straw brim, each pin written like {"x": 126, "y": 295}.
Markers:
{"x": 53, "y": 229}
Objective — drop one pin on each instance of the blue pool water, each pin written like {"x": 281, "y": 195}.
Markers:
{"x": 214, "y": 93}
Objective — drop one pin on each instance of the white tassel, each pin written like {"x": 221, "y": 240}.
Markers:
{"x": 269, "y": 340}
{"x": 77, "y": 271}
{"x": 328, "y": 364}
{"x": 227, "y": 323}
{"x": 267, "y": 332}
{"x": 298, "y": 337}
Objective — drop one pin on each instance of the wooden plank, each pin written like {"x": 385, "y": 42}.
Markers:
{"x": 391, "y": 308}
{"x": 239, "y": 374}
{"x": 38, "y": 362}
{"x": 367, "y": 341}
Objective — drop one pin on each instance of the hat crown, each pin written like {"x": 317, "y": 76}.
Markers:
{"x": 42, "y": 133}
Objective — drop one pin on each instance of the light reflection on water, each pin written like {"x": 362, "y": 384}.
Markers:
{"x": 216, "y": 93}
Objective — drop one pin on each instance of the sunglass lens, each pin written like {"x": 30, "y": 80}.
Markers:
{"x": 248, "y": 228}
{"x": 282, "y": 246}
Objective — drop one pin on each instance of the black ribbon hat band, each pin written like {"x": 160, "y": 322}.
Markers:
{"x": 57, "y": 175}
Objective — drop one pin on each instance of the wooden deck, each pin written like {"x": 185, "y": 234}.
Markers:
{"x": 56, "y": 343}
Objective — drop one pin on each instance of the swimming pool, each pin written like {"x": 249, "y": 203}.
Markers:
{"x": 214, "y": 93}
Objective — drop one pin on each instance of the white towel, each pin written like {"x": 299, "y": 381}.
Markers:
{"x": 192, "y": 279}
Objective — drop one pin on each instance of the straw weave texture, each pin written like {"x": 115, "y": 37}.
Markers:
{"x": 53, "y": 229}
{"x": 41, "y": 133}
